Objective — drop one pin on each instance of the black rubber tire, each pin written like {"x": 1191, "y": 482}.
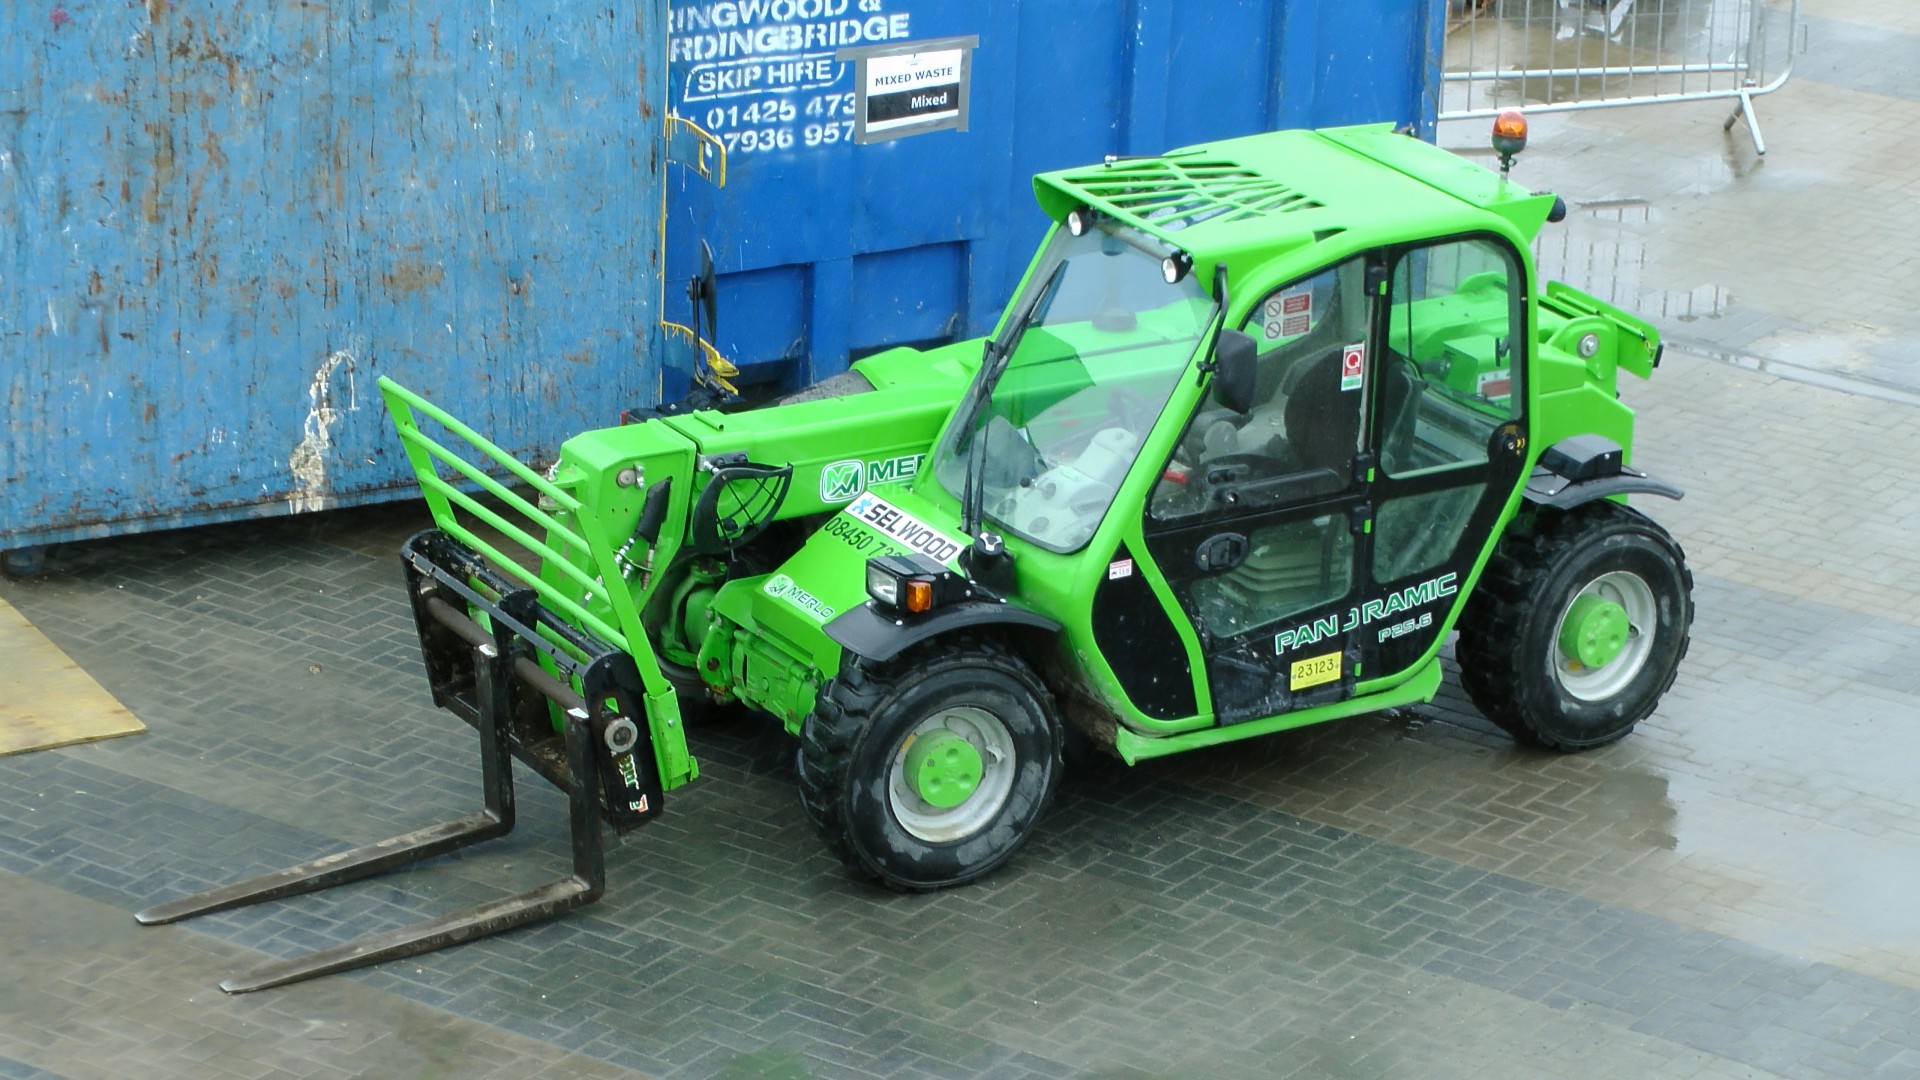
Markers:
{"x": 1507, "y": 646}
{"x": 848, "y": 743}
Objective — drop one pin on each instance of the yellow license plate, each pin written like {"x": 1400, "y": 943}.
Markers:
{"x": 1315, "y": 670}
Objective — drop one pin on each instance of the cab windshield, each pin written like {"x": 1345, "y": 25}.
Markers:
{"x": 1071, "y": 386}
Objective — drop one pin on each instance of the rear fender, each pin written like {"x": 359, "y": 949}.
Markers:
{"x": 1585, "y": 468}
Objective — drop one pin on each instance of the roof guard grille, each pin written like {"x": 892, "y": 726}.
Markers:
{"x": 1174, "y": 195}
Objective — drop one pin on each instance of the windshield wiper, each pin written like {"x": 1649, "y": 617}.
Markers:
{"x": 992, "y": 359}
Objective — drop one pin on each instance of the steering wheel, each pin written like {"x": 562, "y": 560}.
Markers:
{"x": 1010, "y": 459}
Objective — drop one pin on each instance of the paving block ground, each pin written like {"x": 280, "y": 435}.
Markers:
{"x": 1727, "y": 893}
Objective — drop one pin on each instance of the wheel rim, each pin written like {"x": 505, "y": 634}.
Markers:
{"x": 962, "y": 757}
{"x": 1590, "y": 627}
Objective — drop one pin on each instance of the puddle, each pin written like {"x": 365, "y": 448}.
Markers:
{"x": 1601, "y": 249}
{"x": 1791, "y": 882}
{"x": 1781, "y": 369}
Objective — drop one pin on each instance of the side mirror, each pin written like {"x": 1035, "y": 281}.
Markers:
{"x": 1234, "y": 357}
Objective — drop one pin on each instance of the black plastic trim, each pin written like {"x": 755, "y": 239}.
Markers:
{"x": 1548, "y": 488}
{"x": 1135, "y": 632}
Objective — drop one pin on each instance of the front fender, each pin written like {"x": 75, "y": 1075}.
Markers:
{"x": 871, "y": 634}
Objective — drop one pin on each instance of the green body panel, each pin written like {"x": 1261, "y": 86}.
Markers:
{"x": 825, "y": 578}
{"x": 887, "y": 430}
{"x": 1272, "y": 209}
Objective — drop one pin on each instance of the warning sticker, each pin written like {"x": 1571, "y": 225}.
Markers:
{"x": 1353, "y": 366}
{"x": 1495, "y": 385}
{"x": 1119, "y": 568}
{"x": 1314, "y": 670}
{"x": 1287, "y": 315}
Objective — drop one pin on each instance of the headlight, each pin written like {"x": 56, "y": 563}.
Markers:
{"x": 912, "y": 583}
{"x": 882, "y": 585}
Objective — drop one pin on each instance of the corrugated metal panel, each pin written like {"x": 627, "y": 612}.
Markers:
{"x": 221, "y": 221}
{"x": 828, "y": 249}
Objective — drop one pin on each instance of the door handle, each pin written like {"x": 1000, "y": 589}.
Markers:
{"x": 1223, "y": 551}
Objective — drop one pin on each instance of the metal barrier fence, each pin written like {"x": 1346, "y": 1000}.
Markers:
{"x": 1555, "y": 55}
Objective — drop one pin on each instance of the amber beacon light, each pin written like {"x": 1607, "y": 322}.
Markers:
{"x": 1509, "y": 137}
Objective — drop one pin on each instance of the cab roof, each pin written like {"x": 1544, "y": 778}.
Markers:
{"x": 1247, "y": 200}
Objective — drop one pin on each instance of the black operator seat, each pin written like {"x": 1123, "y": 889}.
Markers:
{"x": 1322, "y": 423}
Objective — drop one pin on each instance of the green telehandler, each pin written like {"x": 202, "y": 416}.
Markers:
{"x": 1266, "y": 421}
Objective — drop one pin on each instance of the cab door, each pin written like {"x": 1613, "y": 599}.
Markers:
{"x": 1324, "y": 537}
{"x": 1448, "y": 438}
{"x": 1258, "y": 523}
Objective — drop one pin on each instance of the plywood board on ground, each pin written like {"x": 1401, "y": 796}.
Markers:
{"x": 45, "y": 699}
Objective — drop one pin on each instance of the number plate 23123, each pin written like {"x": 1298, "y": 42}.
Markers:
{"x": 1315, "y": 670}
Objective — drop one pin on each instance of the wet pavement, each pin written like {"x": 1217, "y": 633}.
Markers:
{"x": 1805, "y": 261}
{"x": 1727, "y": 893}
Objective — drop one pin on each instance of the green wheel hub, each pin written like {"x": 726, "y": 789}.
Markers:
{"x": 1594, "y": 631}
{"x": 943, "y": 768}
{"x": 952, "y": 774}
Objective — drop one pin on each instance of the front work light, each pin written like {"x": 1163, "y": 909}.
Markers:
{"x": 1079, "y": 220}
{"x": 912, "y": 583}
{"x": 1175, "y": 266}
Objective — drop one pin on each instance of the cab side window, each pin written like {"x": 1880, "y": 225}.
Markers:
{"x": 1450, "y": 376}
{"x": 1448, "y": 381}
{"x": 1299, "y": 439}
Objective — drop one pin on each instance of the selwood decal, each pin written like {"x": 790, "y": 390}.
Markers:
{"x": 1372, "y": 611}
{"x": 903, "y": 528}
